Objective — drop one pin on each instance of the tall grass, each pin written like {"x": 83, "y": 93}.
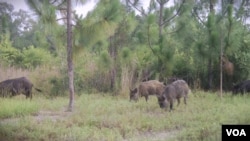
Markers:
{"x": 40, "y": 77}
{"x": 11, "y": 72}
{"x": 103, "y": 117}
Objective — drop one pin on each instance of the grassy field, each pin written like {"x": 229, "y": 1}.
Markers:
{"x": 106, "y": 118}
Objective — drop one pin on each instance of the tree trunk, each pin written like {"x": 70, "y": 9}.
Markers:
{"x": 210, "y": 63}
{"x": 69, "y": 57}
{"x": 160, "y": 41}
{"x": 113, "y": 54}
{"x": 160, "y": 24}
{"x": 210, "y": 74}
{"x": 221, "y": 71}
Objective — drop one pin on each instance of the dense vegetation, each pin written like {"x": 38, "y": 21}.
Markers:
{"x": 119, "y": 44}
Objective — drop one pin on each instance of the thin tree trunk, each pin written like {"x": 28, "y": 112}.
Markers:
{"x": 69, "y": 57}
{"x": 160, "y": 24}
{"x": 221, "y": 71}
{"x": 210, "y": 73}
{"x": 113, "y": 54}
{"x": 210, "y": 63}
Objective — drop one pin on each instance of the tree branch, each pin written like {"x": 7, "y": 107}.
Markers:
{"x": 150, "y": 45}
{"x": 63, "y": 18}
{"x": 53, "y": 2}
{"x": 63, "y": 2}
{"x": 141, "y": 11}
{"x": 172, "y": 32}
{"x": 197, "y": 16}
{"x": 64, "y": 9}
{"x": 34, "y": 6}
{"x": 178, "y": 11}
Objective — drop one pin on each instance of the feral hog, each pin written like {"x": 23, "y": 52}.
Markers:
{"x": 175, "y": 90}
{"x": 6, "y": 88}
{"x": 17, "y": 86}
{"x": 151, "y": 87}
{"x": 241, "y": 87}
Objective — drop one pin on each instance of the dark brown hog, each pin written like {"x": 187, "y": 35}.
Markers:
{"x": 17, "y": 86}
{"x": 175, "y": 90}
{"x": 151, "y": 87}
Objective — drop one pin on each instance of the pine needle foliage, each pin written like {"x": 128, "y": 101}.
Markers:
{"x": 99, "y": 24}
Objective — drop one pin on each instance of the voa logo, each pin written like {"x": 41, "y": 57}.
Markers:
{"x": 236, "y": 132}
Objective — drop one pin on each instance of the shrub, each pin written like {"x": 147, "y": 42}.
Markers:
{"x": 33, "y": 57}
{"x": 30, "y": 57}
{"x": 8, "y": 54}
{"x": 58, "y": 86}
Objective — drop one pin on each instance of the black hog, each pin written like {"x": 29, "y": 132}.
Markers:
{"x": 151, "y": 87}
{"x": 17, "y": 86}
{"x": 175, "y": 90}
{"x": 6, "y": 88}
{"x": 241, "y": 87}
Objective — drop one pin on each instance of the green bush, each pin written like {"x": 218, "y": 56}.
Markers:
{"x": 58, "y": 86}
{"x": 99, "y": 81}
{"x": 8, "y": 54}
{"x": 33, "y": 57}
{"x": 30, "y": 57}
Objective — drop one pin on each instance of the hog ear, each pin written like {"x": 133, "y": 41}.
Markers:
{"x": 135, "y": 90}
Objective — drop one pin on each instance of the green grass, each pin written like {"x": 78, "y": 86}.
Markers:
{"x": 20, "y": 106}
{"x": 16, "y": 108}
{"x": 103, "y": 117}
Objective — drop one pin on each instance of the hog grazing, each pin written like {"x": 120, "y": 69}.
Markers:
{"x": 17, "y": 86}
{"x": 151, "y": 87}
{"x": 175, "y": 90}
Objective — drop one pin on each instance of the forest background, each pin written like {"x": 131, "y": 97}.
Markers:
{"x": 121, "y": 43}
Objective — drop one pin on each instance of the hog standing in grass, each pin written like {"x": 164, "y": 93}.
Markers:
{"x": 17, "y": 86}
{"x": 242, "y": 87}
{"x": 151, "y": 87}
{"x": 6, "y": 88}
{"x": 175, "y": 90}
